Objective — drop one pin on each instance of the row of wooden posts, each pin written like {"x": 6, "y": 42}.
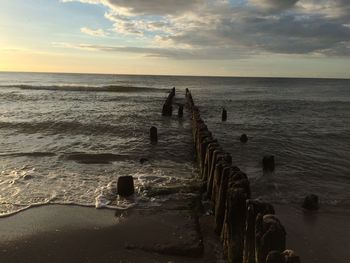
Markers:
{"x": 249, "y": 230}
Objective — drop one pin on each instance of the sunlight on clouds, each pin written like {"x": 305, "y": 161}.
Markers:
{"x": 92, "y": 32}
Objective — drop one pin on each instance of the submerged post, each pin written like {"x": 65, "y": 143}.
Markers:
{"x": 153, "y": 134}
{"x": 224, "y": 114}
{"x": 243, "y": 138}
{"x": 181, "y": 111}
{"x": 268, "y": 163}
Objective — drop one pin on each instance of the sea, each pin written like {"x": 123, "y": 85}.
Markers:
{"x": 66, "y": 138}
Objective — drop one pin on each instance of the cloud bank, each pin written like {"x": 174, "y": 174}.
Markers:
{"x": 223, "y": 29}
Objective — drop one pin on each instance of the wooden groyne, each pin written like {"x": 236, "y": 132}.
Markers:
{"x": 249, "y": 229}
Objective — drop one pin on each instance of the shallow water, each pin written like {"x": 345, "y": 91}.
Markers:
{"x": 65, "y": 138}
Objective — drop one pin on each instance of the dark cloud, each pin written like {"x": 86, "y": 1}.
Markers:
{"x": 211, "y": 53}
{"x": 217, "y": 29}
{"x": 289, "y": 33}
{"x": 274, "y": 4}
{"x": 156, "y": 7}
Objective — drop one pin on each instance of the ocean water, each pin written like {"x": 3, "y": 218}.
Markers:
{"x": 65, "y": 138}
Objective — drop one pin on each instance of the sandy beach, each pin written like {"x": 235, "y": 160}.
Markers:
{"x": 59, "y": 233}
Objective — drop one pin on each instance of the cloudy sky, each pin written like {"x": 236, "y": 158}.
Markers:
{"x": 301, "y": 38}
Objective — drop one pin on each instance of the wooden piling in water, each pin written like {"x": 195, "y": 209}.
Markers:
{"x": 224, "y": 114}
{"x": 180, "y": 112}
{"x": 153, "y": 134}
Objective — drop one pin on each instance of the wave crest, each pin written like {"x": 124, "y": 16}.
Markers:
{"x": 106, "y": 88}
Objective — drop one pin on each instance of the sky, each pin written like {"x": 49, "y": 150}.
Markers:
{"x": 271, "y": 38}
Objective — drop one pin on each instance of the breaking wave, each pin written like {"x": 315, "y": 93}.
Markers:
{"x": 107, "y": 88}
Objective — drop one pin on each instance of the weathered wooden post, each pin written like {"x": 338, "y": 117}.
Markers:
{"x": 202, "y": 136}
{"x": 270, "y": 235}
{"x": 254, "y": 207}
{"x": 311, "y": 202}
{"x": 180, "y": 111}
{"x": 224, "y": 161}
{"x": 224, "y": 114}
{"x": 269, "y": 163}
{"x": 243, "y": 138}
{"x": 203, "y": 151}
{"x": 233, "y": 230}
{"x": 167, "y": 109}
{"x": 208, "y": 159}
{"x": 125, "y": 186}
{"x": 217, "y": 155}
{"x": 153, "y": 134}
{"x": 220, "y": 204}
{"x": 220, "y": 165}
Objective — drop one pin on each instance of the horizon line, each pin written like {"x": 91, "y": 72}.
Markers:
{"x": 173, "y": 75}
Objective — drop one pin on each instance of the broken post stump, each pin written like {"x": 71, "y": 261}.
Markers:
{"x": 243, "y": 138}
{"x": 224, "y": 114}
{"x": 125, "y": 186}
{"x": 268, "y": 163}
{"x": 180, "y": 111}
{"x": 311, "y": 202}
{"x": 153, "y": 132}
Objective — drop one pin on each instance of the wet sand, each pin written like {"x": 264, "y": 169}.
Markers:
{"x": 78, "y": 234}
{"x": 318, "y": 237}
{"x": 57, "y": 233}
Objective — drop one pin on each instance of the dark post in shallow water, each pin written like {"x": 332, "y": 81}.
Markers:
{"x": 243, "y": 138}
{"x": 125, "y": 186}
{"x": 224, "y": 114}
{"x": 269, "y": 163}
{"x": 311, "y": 202}
{"x": 181, "y": 111}
{"x": 153, "y": 134}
